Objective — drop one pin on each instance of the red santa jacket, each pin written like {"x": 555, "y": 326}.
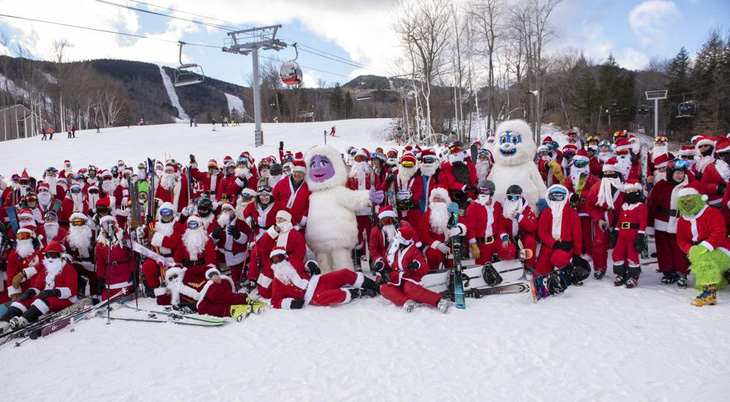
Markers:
{"x": 166, "y": 243}
{"x": 214, "y": 295}
{"x": 179, "y": 191}
{"x": 119, "y": 263}
{"x": 363, "y": 183}
{"x": 706, "y": 228}
{"x": 15, "y": 265}
{"x": 296, "y": 202}
{"x": 66, "y": 281}
{"x": 401, "y": 259}
{"x": 291, "y": 283}
{"x": 602, "y": 211}
{"x": 632, "y": 217}
{"x": 570, "y": 228}
{"x": 590, "y": 181}
{"x": 67, "y": 209}
{"x": 596, "y": 166}
{"x": 195, "y": 275}
{"x": 234, "y": 250}
{"x": 658, "y": 206}
{"x": 484, "y": 222}
{"x": 426, "y": 234}
{"x": 43, "y": 237}
{"x": 713, "y": 176}
{"x": 446, "y": 178}
{"x": 379, "y": 245}
{"x": 209, "y": 183}
{"x": 260, "y": 219}
{"x": 524, "y": 222}
{"x": 292, "y": 241}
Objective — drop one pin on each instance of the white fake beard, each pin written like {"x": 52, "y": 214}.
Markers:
{"x": 51, "y": 229}
{"x": 359, "y": 170}
{"x": 24, "y": 248}
{"x": 575, "y": 174}
{"x": 659, "y": 150}
{"x": 51, "y": 180}
{"x": 659, "y": 176}
{"x": 168, "y": 181}
{"x": 604, "y": 156}
{"x": 79, "y": 238}
{"x": 389, "y": 232}
{"x": 557, "y": 210}
{"x": 457, "y": 157}
{"x": 624, "y": 166}
{"x": 78, "y": 200}
{"x": 483, "y": 168}
{"x": 511, "y": 206}
{"x": 93, "y": 198}
{"x": 107, "y": 186}
{"x": 241, "y": 172}
{"x": 224, "y": 219}
{"x": 53, "y": 266}
{"x": 285, "y": 226}
{"x": 44, "y": 199}
{"x": 284, "y": 272}
{"x": 439, "y": 218}
{"x": 483, "y": 199}
{"x": 405, "y": 173}
{"x": 195, "y": 240}
{"x": 164, "y": 229}
{"x": 429, "y": 169}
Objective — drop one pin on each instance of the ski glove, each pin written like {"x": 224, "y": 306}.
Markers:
{"x": 574, "y": 198}
{"x": 413, "y": 266}
{"x": 217, "y": 232}
{"x": 390, "y": 178}
{"x": 613, "y": 238}
{"x": 378, "y": 266}
{"x": 296, "y": 304}
{"x": 475, "y": 252}
{"x": 443, "y": 248}
{"x": 563, "y": 245}
{"x": 27, "y": 295}
{"x": 44, "y": 294}
{"x": 721, "y": 188}
{"x": 232, "y": 231}
{"x": 192, "y": 159}
{"x": 639, "y": 242}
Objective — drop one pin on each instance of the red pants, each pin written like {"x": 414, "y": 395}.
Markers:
{"x": 599, "y": 249}
{"x": 549, "y": 259}
{"x": 529, "y": 242}
{"x": 669, "y": 256}
{"x": 586, "y": 224}
{"x": 624, "y": 250}
{"x": 236, "y": 272}
{"x": 487, "y": 251}
{"x": 363, "y": 223}
{"x": 104, "y": 295}
{"x": 399, "y": 294}
{"x": 152, "y": 274}
{"x": 329, "y": 290}
{"x": 435, "y": 258}
{"x": 50, "y": 305}
{"x": 219, "y": 304}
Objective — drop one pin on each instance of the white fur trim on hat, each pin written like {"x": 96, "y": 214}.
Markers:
{"x": 632, "y": 186}
{"x": 78, "y": 215}
{"x": 441, "y": 192}
{"x": 607, "y": 167}
{"x": 277, "y": 251}
{"x": 108, "y": 218}
{"x": 28, "y": 214}
{"x": 686, "y": 190}
{"x": 705, "y": 141}
{"x": 228, "y": 205}
{"x": 249, "y": 191}
{"x": 284, "y": 215}
{"x": 580, "y": 158}
{"x": 387, "y": 214}
{"x": 210, "y": 272}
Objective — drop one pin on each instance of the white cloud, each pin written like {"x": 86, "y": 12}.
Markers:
{"x": 652, "y": 20}
{"x": 631, "y": 59}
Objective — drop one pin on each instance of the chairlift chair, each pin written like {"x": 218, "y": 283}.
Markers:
{"x": 290, "y": 72}
{"x": 188, "y": 74}
{"x": 643, "y": 110}
{"x": 687, "y": 109}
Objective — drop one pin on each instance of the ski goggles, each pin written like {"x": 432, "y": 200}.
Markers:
{"x": 361, "y": 158}
{"x": 52, "y": 254}
{"x": 80, "y": 177}
{"x": 392, "y": 154}
{"x": 113, "y": 169}
{"x": 455, "y": 149}
{"x": 75, "y": 189}
{"x": 408, "y": 164}
{"x": 212, "y": 166}
{"x": 93, "y": 191}
{"x": 278, "y": 258}
{"x": 193, "y": 224}
{"x": 580, "y": 163}
{"x": 51, "y": 170}
{"x": 172, "y": 277}
{"x": 24, "y": 182}
{"x": 557, "y": 196}
{"x": 389, "y": 220}
{"x": 31, "y": 198}
{"x": 513, "y": 197}
{"x": 429, "y": 159}
{"x": 78, "y": 222}
{"x": 106, "y": 225}
{"x": 166, "y": 212}
{"x": 485, "y": 190}
{"x": 242, "y": 160}
{"x": 247, "y": 196}
{"x": 678, "y": 164}
{"x": 24, "y": 235}
{"x": 102, "y": 209}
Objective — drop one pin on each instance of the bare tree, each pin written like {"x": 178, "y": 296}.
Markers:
{"x": 59, "y": 48}
{"x": 486, "y": 18}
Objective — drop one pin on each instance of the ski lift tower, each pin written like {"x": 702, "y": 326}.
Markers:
{"x": 249, "y": 41}
{"x": 656, "y": 96}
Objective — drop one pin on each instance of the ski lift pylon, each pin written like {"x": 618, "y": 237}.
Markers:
{"x": 187, "y": 74}
{"x": 290, "y": 72}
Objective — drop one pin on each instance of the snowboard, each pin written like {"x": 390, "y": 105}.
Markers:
{"x": 554, "y": 283}
{"x": 12, "y": 215}
{"x": 439, "y": 281}
{"x": 474, "y": 151}
{"x": 459, "y": 300}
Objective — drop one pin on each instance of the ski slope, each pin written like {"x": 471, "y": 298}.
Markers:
{"x": 172, "y": 95}
{"x": 595, "y": 342}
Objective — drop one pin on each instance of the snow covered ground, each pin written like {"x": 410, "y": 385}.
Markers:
{"x": 594, "y": 342}
{"x": 234, "y": 102}
{"x": 174, "y": 100}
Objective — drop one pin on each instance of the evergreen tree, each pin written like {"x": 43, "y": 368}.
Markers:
{"x": 678, "y": 74}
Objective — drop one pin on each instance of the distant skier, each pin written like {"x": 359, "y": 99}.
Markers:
{"x": 332, "y": 132}
{"x": 43, "y": 133}
{"x": 213, "y": 121}
{"x": 50, "y": 132}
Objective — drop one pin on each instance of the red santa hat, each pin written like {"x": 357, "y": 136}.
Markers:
{"x": 66, "y": 162}
{"x": 363, "y": 152}
{"x": 30, "y": 229}
{"x": 228, "y": 205}
{"x": 106, "y": 175}
{"x": 632, "y": 185}
{"x": 687, "y": 150}
{"x": 212, "y": 162}
{"x": 227, "y": 160}
{"x": 723, "y": 145}
{"x": 284, "y": 215}
{"x": 547, "y": 139}
{"x": 43, "y": 186}
{"x": 428, "y": 152}
{"x": 408, "y": 157}
{"x": 662, "y": 160}
{"x": 172, "y": 164}
{"x": 53, "y": 247}
{"x": 477, "y": 143}
{"x": 24, "y": 176}
{"x": 692, "y": 188}
{"x": 298, "y": 164}
{"x": 25, "y": 213}
{"x": 405, "y": 235}
{"x": 104, "y": 202}
{"x": 277, "y": 251}
{"x": 622, "y": 144}
{"x": 610, "y": 165}
{"x": 386, "y": 211}
{"x": 408, "y": 148}
{"x": 248, "y": 191}
{"x": 704, "y": 140}
{"x": 581, "y": 155}
{"x": 572, "y": 133}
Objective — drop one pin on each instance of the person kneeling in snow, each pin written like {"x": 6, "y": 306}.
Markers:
{"x": 407, "y": 268}
{"x": 59, "y": 285}
{"x": 219, "y": 298}
{"x": 293, "y": 289}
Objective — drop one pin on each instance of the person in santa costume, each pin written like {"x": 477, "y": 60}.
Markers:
{"x": 45, "y": 198}
{"x": 173, "y": 187}
{"x": 67, "y": 169}
{"x": 569, "y": 151}
{"x": 195, "y": 252}
{"x": 282, "y": 235}
{"x": 261, "y": 215}
{"x": 433, "y": 229}
{"x": 219, "y": 298}
{"x": 712, "y": 170}
{"x": 550, "y": 170}
{"x": 52, "y": 289}
{"x": 292, "y": 193}
{"x": 483, "y": 164}
{"x": 115, "y": 268}
{"x": 407, "y": 268}
{"x": 163, "y": 235}
{"x": 408, "y": 190}
{"x": 204, "y": 209}
{"x": 603, "y": 203}
{"x": 631, "y": 228}
{"x": 228, "y": 181}
{"x": 175, "y": 291}
{"x": 579, "y": 182}
{"x": 30, "y": 203}
{"x": 80, "y": 247}
{"x": 701, "y": 235}
{"x": 51, "y": 230}
{"x": 458, "y": 176}
{"x": 231, "y": 237}
{"x": 210, "y": 179}
{"x": 521, "y": 223}
{"x": 662, "y": 218}
{"x": 382, "y": 236}
{"x": 23, "y": 256}
{"x": 559, "y": 230}
{"x": 687, "y": 153}
{"x": 293, "y": 289}
{"x": 361, "y": 177}
{"x": 429, "y": 168}
{"x": 627, "y": 159}
{"x": 75, "y": 202}
{"x": 486, "y": 229}
{"x": 660, "y": 148}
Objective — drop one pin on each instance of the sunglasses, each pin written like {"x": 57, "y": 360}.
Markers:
{"x": 428, "y": 159}
{"x": 24, "y": 236}
{"x": 278, "y": 258}
{"x": 166, "y": 212}
{"x": 203, "y": 210}
{"x": 557, "y": 196}
{"x": 387, "y": 221}
{"x": 513, "y": 197}
{"x": 193, "y": 224}
{"x": 93, "y": 191}
{"x": 172, "y": 277}
{"x": 580, "y": 164}
{"x": 408, "y": 164}
{"x": 52, "y": 254}
{"x": 78, "y": 222}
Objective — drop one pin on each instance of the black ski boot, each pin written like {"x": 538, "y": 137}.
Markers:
{"x": 11, "y": 313}
{"x": 599, "y": 274}
{"x": 148, "y": 291}
{"x": 669, "y": 277}
{"x": 30, "y": 316}
{"x": 370, "y": 284}
{"x": 359, "y": 293}
{"x": 491, "y": 276}
{"x": 554, "y": 285}
{"x": 632, "y": 282}
{"x": 682, "y": 281}
{"x": 621, "y": 277}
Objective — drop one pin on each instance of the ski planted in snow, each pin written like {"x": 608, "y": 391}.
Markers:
{"x": 459, "y": 300}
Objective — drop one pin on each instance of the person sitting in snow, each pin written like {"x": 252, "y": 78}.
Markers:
{"x": 486, "y": 228}
{"x": 559, "y": 230}
{"x": 521, "y": 223}
{"x": 403, "y": 281}
{"x": 164, "y": 235}
{"x": 382, "y": 236}
{"x": 219, "y": 298}
{"x": 631, "y": 227}
{"x": 195, "y": 252}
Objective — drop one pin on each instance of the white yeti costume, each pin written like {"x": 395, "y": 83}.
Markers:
{"x": 514, "y": 154}
{"x": 331, "y": 224}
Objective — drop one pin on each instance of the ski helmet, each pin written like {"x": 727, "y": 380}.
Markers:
{"x": 205, "y": 207}
{"x": 514, "y": 189}
{"x": 486, "y": 187}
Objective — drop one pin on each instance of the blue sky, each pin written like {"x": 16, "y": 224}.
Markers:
{"x": 361, "y": 31}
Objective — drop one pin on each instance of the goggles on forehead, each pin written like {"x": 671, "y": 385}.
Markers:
{"x": 428, "y": 159}
{"x": 388, "y": 220}
{"x": 513, "y": 197}
{"x": 408, "y": 164}
{"x": 78, "y": 222}
{"x": 580, "y": 163}
{"x": 193, "y": 224}
{"x": 392, "y": 154}
{"x": 23, "y": 235}
{"x": 278, "y": 258}
{"x": 678, "y": 164}
{"x": 166, "y": 212}
{"x": 52, "y": 254}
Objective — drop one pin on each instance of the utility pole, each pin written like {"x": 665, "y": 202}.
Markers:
{"x": 249, "y": 41}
